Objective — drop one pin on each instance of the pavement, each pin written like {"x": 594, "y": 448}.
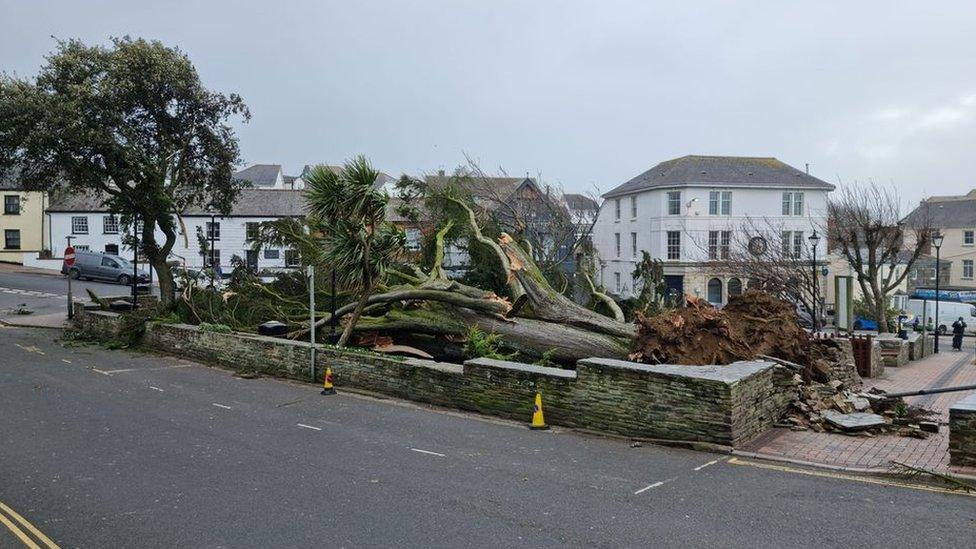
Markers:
{"x": 104, "y": 448}
{"x": 44, "y": 293}
{"x": 945, "y": 369}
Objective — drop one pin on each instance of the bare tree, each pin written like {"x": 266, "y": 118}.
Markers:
{"x": 865, "y": 226}
{"x": 768, "y": 257}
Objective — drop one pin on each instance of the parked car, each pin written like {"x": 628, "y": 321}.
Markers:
{"x": 861, "y": 323}
{"x": 99, "y": 266}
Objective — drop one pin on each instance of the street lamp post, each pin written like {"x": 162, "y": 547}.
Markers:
{"x": 814, "y": 240}
{"x": 937, "y": 242}
{"x": 211, "y": 235}
{"x": 135, "y": 259}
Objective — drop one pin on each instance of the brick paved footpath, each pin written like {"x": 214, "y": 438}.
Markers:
{"x": 948, "y": 368}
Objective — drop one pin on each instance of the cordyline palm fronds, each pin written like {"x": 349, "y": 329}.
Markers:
{"x": 359, "y": 243}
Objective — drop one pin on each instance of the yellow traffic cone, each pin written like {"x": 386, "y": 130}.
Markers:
{"x": 538, "y": 421}
{"x": 327, "y": 387}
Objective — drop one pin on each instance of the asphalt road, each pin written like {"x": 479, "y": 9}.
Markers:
{"x": 44, "y": 292}
{"x": 104, "y": 448}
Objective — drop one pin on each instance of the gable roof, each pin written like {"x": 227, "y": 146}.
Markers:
{"x": 250, "y": 203}
{"x": 260, "y": 175}
{"x": 381, "y": 180}
{"x": 949, "y": 212}
{"x": 580, "y": 202}
{"x": 481, "y": 187}
{"x": 736, "y": 171}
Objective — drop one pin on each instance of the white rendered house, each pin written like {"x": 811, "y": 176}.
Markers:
{"x": 689, "y": 211}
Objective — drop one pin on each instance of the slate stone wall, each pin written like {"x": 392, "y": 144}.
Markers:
{"x": 727, "y": 405}
{"x": 95, "y": 324}
{"x": 894, "y": 351}
{"x": 962, "y": 432}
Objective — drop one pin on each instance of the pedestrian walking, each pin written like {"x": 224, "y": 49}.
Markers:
{"x": 958, "y": 328}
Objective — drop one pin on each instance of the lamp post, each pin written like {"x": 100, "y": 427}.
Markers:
{"x": 211, "y": 231}
{"x": 937, "y": 242}
{"x": 814, "y": 240}
{"x": 135, "y": 259}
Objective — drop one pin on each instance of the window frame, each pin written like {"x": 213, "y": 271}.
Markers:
{"x": 713, "y": 245}
{"x": 616, "y": 244}
{"x": 208, "y": 255}
{"x": 105, "y": 226}
{"x": 248, "y": 225}
{"x": 79, "y": 219}
{"x": 616, "y": 282}
{"x": 209, "y": 226}
{"x": 969, "y": 235}
{"x": 725, "y": 244}
{"x": 616, "y": 209}
{"x": 968, "y": 263}
{"x": 276, "y": 251}
{"x": 673, "y": 249}
{"x": 7, "y": 202}
{"x": 6, "y": 239}
{"x": 674, "y": 199}
{"x": 633, "y": 207}
{"x": 292, "y": 253}
{"x": 633, "y": 245}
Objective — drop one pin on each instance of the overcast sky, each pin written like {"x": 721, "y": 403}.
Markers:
{"x": 587, "y": 94}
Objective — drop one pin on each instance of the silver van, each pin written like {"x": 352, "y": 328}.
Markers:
{"x": 98, "y": 266}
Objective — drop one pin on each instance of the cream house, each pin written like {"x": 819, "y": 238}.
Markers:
{"x": 22, "y": 226}
{"x": 955, "y": 218}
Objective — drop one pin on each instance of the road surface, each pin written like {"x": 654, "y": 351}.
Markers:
{"x": 104, "y": 448}
{"x": 44, "y": 291}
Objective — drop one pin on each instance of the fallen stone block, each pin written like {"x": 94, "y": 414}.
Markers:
{"x": 857, "y": 421}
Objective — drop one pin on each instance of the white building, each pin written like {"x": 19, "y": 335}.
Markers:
{"x": 689, "y": 210}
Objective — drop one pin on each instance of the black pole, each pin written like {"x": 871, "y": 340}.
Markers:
{"x": 814, "y": 288}
{"x": 332, "y": 318}
{"x": 135, "y": 258}
{"x": 213, "y": 268}
{"x": 937, "y": 261}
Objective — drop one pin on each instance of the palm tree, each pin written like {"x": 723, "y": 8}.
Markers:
{"x": 360, "y": 244}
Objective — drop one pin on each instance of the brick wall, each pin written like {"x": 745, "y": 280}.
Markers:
{"x": 962, "y": 432}
{"x": 725, "y": 405}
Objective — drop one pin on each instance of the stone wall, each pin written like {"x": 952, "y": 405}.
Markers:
{"x": 95, "y": 324}
{"x": 962, "y": 432}
{"x": 894, "y": 351}
{"x": 726, "y": 405}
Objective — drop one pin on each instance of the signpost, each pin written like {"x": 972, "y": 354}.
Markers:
{"x": 69, "y": 261}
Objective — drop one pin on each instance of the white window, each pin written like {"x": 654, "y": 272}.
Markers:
{"x": 967, "y": 238}
{"x": 674, "y": 245}
{"x": 793, "y": 203}
{"x": 797, "y": 243}
{"x": 718, "y": 244}
{"x": 413, "y": 240}
{"x": 616, "y": 282}
{"x": 272, "y": 253}
{"x": 213, "y": 230}
{"x": 252, "y": 230}
{"x": 616, "y": 209}
{"x": 633, "y": 245}
{"x": 633, "y": 207}
{"x": 967, "y": 269}
{"x": 110, "y": 224}
{"x": 616, "y": 244}
{"x": 719, "y": 202}
{"x": 211, "y": 259}
{"x": 674, "y": 202}
{"x": 291, "y": 258}
{"x": 792, "y": 243}
{"x": 79, "y": 224}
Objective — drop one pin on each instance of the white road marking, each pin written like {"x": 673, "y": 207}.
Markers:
{"x": 703, "y": 465}
{"x": 309, "y": 426}
{"x": 66, "y": 361}
{"x": 649, "y": 486}
{"x": 427, "y": 452}
{"x": 119, "y": 371}
{"x": 155, "y": 388}
{"x": 224, "y": 406}
{"x": 103, "y": 372}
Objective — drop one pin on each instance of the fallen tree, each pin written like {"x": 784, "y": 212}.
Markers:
{"x": 535, "y": 319}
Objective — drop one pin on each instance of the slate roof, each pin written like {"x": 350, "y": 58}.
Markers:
{"x": 260, "y": 175}
{"x": 945, "y": 212}
{"x": 480, "y": 187}
{"x": 251, "y": 203}
{"x": 733, "y": 171}
{"x": 580, "y": 202}
{"x": 381, "y": 179}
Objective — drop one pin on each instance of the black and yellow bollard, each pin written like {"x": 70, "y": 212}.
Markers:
{"x": 538, "y": 419}
{"x": 327, "y": 387}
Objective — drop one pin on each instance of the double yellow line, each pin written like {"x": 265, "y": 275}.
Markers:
{"x": 17, "y": 524}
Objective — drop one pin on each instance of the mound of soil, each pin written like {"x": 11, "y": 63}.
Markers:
{"x": 754, "y": 323}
